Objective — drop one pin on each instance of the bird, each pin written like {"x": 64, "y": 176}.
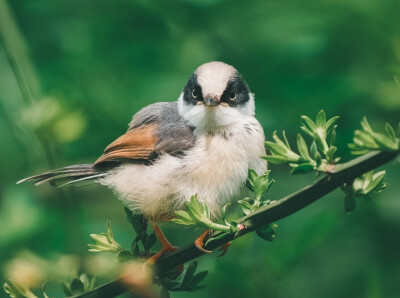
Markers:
{"x": 203, "y": 144}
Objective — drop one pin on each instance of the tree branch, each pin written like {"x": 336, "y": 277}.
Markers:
{"x": 284, "y": 207}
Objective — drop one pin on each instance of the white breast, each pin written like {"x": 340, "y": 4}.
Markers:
{"x": 215, "y": 169}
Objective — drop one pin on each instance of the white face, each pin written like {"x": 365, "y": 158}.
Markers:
{"x": 215, "y": 97}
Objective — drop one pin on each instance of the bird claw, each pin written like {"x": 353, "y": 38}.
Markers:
{"x": 202, "y": 249}
{"x": 199, "y": 242}
{"x": 224, "y": 248}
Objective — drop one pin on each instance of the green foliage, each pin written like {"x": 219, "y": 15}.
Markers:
{"x": 105, "y": 241}
{"x": 17, "y": 290}
{"x": 189, "y": 281}
{"x": 318, "y": 156}
{"x": 363, "y": 187}
{"x": 140, "y": 224}
{"x": 79, "y": 284}
{"x": 198, "y": 214}
{"x": 267, "y": 232}
{"x": 367, "y": 139}
{"x": 259, "y": 184}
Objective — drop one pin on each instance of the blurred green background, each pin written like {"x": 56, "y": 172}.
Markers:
{"x": 90, "y": 65}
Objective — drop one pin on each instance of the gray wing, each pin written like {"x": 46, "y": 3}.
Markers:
{"x": 154, "y": 130}
{"x": 174, "y": 135}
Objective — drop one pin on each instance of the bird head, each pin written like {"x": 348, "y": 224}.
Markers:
{"x": 215, "y": 96}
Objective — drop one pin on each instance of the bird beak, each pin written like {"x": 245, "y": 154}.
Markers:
{"x": 211, "y": 101}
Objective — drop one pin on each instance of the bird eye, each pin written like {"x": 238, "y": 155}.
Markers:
{"x": 195, "y": 93}
{"x": 232, "y": 95}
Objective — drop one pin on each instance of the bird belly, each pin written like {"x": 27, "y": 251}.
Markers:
{"x": 215, "y": 170}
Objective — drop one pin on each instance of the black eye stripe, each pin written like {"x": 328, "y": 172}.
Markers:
{"x": 192, "y": 86}
{"x": 236, "y": 85}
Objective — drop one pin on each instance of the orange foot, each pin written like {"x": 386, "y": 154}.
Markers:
{"x": 166, "y": 247}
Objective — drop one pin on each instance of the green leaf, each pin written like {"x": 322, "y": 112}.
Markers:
{"x": 139, "y": 224}
{"x": 321, "y": 119}
{"x": 66, "y": 289}
{"x": 390, "y": 132}
{"x": 124, "y": 256}
{"x": 187, "y": 279}
{"x": 267, "y": 232}
{"x": 44, "y": 288}
{"x": 302, "y": 146}
{"x": 276, "y": 149}
{"x": 313, "y": 149}
{"x": 331, "y": 152}
{"x": 171, "y": 284}
{"x": 135, "y": 249}
{"x": 278, "y": 140}
{"x": 110, "y": 234}
{"x": 251, "y": 178}
{"x": 76, "y": 286}
{"x": 330, "y": 124}
{"x": 349, "y": 203}
{"x": 14, "y": 289}
{"x": 385, "y": 142}
{"x": 318, "y": 158}
{"x": 179, "y": 221}
{"x": 375, "y": 182}
{"x": 223, "y": 213}
{"x": 275, "y": 159}
{"x": 150, "y": 241}
{"x": 308, "y": 124}
{"x": 199, "y": 215}
{"x": 307, "y": 132}
{"x": 183, "y": 215}
{"x": 365, "y": 125}
{"x": 333, "y": 136}
{"x": 194, "y": 208}
{"x": 261, "y": 185}
{"x": 286, "y": 140}
{"x": 199, "y": 277}
{"x": 246, "y": 207}
{"x": 361, "y": 138}
{"x": 302, "y": 169}
{"x": 322, "y": 146}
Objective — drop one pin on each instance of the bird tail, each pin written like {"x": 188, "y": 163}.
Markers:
{"x": 66, "y": 175}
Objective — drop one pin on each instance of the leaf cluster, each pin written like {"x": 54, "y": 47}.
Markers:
{"x": 79, "y": 284}
{"x": 140, "y": 225}
{"x": 363, "y": 187}
{"x": 189, "y": 282}
{"x": 105, "y": 242}
{"x": 316, "y": 157}
{"x": 367, "y": 139}
{"x": 17, "y": 290}
{"x": 259, "y": 185}
{"x": 198, "y": 214}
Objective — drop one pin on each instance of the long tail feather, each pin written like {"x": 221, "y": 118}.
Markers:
{"x": 71, "y": 174}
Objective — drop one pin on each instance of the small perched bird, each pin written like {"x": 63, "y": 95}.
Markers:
{"x": 204, "y": 143}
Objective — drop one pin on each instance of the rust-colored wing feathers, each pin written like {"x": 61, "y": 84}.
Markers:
{"x": 136, "y": 144}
